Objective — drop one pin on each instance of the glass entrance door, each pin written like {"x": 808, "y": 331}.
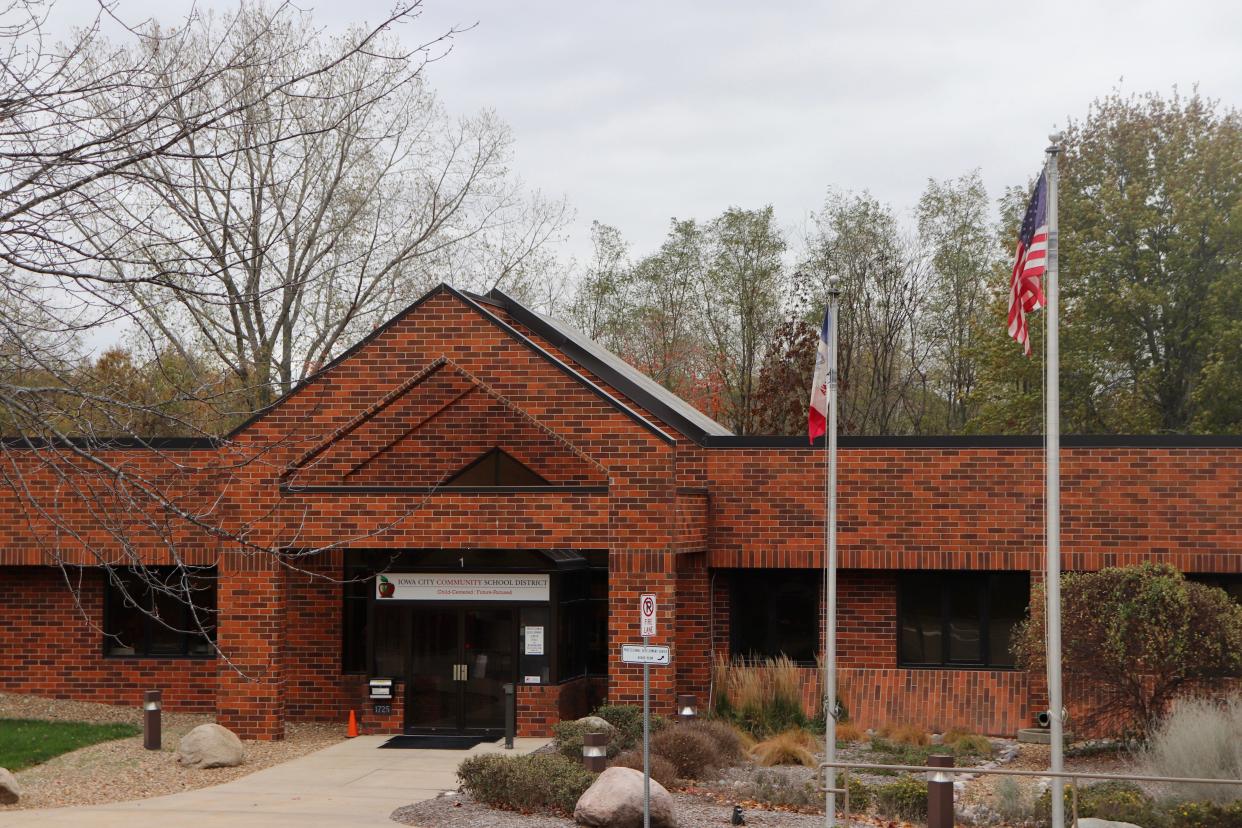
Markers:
{"x": 461, "y": 659}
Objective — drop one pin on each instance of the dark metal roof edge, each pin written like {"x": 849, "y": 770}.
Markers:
{"x": 600, "y": 369}
{"x": 982, "y": 441}
{"x": 112, "y": 443}
{"x": 534, "y": 346}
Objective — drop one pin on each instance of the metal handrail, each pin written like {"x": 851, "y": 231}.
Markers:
{"x": 945, "y": 775}
{"x": 1040, "y": 773}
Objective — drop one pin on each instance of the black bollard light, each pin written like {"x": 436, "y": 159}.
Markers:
{"x": 940, "y": 793}
{"x": 152, "y": 704}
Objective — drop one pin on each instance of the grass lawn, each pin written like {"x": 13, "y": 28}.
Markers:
{"x": 26, "y": 742}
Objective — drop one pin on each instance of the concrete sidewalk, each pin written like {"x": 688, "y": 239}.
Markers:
{"x": 353, "y": 783}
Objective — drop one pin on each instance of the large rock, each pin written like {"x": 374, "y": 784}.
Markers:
{"x": 10, "y": 791}
{"x": 595, "y": 724}
{"x": 1092, "y": 822}
{"x": 616, "y": 801}
{"x": 210, "y": 746}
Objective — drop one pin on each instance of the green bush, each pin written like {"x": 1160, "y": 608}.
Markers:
{"x": 905, "y": 799}
{"x": 693, "y": 753}
{"x": 569, "y": 738}
{"x": 1117, "y": 801}
{"x": 1204, "y": 815}
{"x": 1145, "y": 620}
{"x": 535, "y": 782}
{"x": 628, "y": 720}
{"x": 860, "y": 795}
{"x": 971, "y": 744}
{"x": 662, "y": 770}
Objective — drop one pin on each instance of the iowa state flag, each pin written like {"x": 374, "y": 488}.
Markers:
{"x": 818, "y": 421}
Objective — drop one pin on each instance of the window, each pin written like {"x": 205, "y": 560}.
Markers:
{"x": 1232, "y": 584}
{"x": 774, "y": 612}
{"x": 496, "y": 468}
{"x": 357, "y": 589}
{"x": 160, "y": 612}
{"x": 583, "y": 624}
{"x": 960, "y": 618}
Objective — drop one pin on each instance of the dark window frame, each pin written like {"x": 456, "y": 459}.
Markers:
{"x": 944, "y": 579}
{"x": 111, "y": 597}
{"x": 735, "y": 602}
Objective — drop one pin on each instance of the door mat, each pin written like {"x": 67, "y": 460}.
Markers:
{"x": 436, "y": 742}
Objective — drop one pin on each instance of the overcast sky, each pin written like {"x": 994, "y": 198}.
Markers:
{"x": 638, "y": 111}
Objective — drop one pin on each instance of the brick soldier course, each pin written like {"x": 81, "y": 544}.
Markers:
{"x": 624, "y": 475}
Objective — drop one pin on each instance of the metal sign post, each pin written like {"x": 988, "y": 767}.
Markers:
{"x": 647, "y": 615}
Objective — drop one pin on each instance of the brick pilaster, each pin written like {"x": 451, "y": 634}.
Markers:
{"x": 251, "y": 634}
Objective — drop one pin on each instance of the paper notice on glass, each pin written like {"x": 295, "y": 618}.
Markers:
{"x": 534, "y": 641}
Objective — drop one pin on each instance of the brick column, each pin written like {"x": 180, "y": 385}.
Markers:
{"x": 250, "y": 700}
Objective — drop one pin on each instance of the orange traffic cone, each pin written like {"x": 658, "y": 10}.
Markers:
{"x": 353, "y": 725}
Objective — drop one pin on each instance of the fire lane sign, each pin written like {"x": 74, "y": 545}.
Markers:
{"x": 644, "y": 654}
{"x": 647, "y": 614}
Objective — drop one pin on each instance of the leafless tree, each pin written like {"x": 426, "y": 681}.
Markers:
{"x": 249, "y": 192}
{"x": 307, "y": 217}
{"x": 884, "y": 282}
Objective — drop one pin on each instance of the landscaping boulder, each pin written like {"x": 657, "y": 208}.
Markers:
{"x": 594, "y": 724}
{"x": 615, "y": 800}
{"x": 1092, "y": 822}
{"x": 10, "y": 791}
{"x": 210, "y": 746}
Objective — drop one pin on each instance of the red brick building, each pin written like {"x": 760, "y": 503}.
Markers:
{"x": 475, "y": 496}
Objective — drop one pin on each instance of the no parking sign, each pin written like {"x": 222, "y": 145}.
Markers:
{"x": 647, "y": 615}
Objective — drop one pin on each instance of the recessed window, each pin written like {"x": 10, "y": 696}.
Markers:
{"x": 949, "y": 619}
{"x": 774, "y": 612}
{"x": 496, "y": 468}
{"x": 160, "y": 612}
{"x": 1231, "y": 584}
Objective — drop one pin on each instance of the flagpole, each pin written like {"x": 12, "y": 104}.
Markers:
{"x": 830, "y": 564}
{"x": 1052, "y": 485}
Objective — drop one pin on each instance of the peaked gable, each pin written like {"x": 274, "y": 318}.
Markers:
{"x": 429, "y": 429}
{"x": 513, "y": 333}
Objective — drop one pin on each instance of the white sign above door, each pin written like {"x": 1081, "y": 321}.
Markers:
{"x": 460, "y": 586}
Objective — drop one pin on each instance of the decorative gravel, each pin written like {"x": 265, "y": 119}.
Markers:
{"x": 122, "y": 770}
{"x": 460, "y": 811}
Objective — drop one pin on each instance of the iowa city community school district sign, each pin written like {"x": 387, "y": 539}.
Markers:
{"x": 451, "y": 586}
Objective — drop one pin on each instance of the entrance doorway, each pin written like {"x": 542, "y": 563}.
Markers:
{"x": 460, "y": 661}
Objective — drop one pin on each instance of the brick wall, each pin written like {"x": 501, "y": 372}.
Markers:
{"x": 441, "y": 384}
{"x": 51, "y": 645}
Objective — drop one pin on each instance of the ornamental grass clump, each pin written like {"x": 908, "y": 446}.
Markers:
{"x": 763, "y": 696}
{"x": 792, "y": 747}
{"x": 1199, "y": 738}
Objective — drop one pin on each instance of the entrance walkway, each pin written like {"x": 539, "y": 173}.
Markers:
{"x": 353, "y": 783}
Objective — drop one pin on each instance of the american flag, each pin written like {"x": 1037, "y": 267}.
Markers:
{"x": 1025, "y": 294}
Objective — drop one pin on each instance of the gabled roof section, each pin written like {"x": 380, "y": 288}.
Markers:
{"x": 615, "y": 371}
{"x": 356, "y": 457}
{"x": 490, "y": 317}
